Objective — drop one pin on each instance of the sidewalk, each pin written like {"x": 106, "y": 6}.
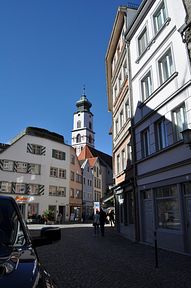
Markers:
{"x": 81, "y": 260}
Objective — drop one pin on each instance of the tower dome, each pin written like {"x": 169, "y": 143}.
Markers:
{"x": 83, "y": 104}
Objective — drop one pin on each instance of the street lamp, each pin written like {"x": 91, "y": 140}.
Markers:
{"x": 186, "y": 134}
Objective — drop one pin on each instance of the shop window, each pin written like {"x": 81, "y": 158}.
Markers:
{"x": 167, "y": 207}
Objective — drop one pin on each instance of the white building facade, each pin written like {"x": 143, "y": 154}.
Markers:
{"x": 34, "y": 169}
{"x": 119, "y": 103}
{"x": 161, "y": 93}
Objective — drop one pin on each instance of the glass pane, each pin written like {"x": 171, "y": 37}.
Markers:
{"x": 168, "y": 214}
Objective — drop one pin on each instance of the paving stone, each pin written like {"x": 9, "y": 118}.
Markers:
{"x": 81, "y": 260}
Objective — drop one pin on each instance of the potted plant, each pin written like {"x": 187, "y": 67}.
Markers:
{"x": 49, "y": 216}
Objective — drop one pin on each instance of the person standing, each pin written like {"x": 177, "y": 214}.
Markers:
{"x": 102, "y": 220}
{"x": 111, "y": 217}
{"x": 96, "y": 222}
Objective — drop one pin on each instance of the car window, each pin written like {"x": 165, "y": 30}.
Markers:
{"x": 11, "y": 232}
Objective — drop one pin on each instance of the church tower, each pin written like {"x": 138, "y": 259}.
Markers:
{"x": 82, "y": 133}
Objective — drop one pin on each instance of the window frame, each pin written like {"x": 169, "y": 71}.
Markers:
{"x": 142, "y": 41}
{"x": 177, "y": 135}
{"x": 145, "y": 141}
{"x": 161, "y": 221}
{"x": 161, "y": 8}
{"x": 146, "y": 86}
{"x": 59, "y": 155}
{"x": 161, "y": 139}
{"x": 166, "y": 66}
{"x": 8, "y": 165}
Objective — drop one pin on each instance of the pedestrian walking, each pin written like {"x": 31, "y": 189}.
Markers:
{"x": 96, "y": 222}
{"x": 59, "y": 218}
{"x": 102, "y": 220}
{"x": 111, "y": 217}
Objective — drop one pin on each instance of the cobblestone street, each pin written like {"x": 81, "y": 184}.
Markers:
{"x": 81, "y": 260}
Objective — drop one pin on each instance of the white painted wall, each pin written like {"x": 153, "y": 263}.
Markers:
{"x": 18, "y": 152}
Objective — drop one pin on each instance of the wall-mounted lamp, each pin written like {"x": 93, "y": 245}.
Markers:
{"x": 186, "y": 134}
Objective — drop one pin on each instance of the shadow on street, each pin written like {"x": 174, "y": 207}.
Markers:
{"x": 82, "y": 260}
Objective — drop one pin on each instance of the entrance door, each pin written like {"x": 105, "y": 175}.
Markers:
{"x": 61, "y": 209}
{"x": 188, "y": 222}
{"x": 148, "y": 220}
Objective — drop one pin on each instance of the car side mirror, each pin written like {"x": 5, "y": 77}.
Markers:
{"x": 48, "y": 235}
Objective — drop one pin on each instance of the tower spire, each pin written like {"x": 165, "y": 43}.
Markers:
{"x": 84, "y": 89}
{"x": 82, "y": 133}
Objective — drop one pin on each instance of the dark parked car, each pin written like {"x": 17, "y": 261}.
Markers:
{"x": 19, "y": 263}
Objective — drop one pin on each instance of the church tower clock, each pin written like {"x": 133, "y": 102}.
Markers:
{"x": 82, "y": 133}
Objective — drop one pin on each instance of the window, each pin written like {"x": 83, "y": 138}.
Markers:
{"x": 90, "y": 125}
{"x": 127, "y": 110}
{"x": 36, "y": 149}
{"x": 120, "y": 81}
{"x": 20, "y": 188}
{"x": 166, "y": 67}
{"x": 78, "y": 178}
{"x": 61, "y": 191}
{"x": 53, "y": 172}
{"x": 187, "y": 189}
{"x": 123, "y": 159}
{"x": 97, "y": 171}
{"x": 33, "y": 209}
{"x": 78, "y": 138}
{"x": 145, "y": 143}
{"x": 90, "y": 139}
{"x": 142, "y": 41}
{"x": 179, "y": 121}
{"x": 72, "y": 176}
{"x": 72, "y": 193}
{"x": 62, "y": 173}
{"x": 34, "y": 169}
{"x": 72, "y": 159}
{"x": 147, "y": 194}
{"x": 146, "y": 86}
{"x": 78, "y": 194}
{"x": 160, "y": 134}
{"x": 116, "y": 126}
{"x": 121, "y": 119}
{"x": 115, "y": 92}
{"x": 5, "y": 187}
{"x": 168, "y": 214}
{"x": 118, "y": 163}
{"x": 21, "y": 167}
{"x": 159, "y": 17}
{"x": 52, "y": 190}
{"x": 7, "y": 165}
{"x": 125, "y": 72}
{"x": 58, "y": 154}
{"x": 78, "y": 124}
{"x": 33, "y": 189}
{"x": 129, "y": 153}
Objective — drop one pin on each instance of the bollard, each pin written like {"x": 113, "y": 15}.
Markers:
{"x": 156, "y": 249}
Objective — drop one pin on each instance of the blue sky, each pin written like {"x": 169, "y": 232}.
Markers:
{"x": 48, "y": 50}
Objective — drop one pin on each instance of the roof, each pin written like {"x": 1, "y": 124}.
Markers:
{"x": 92, "y": 161}
{"x": 40, "y": 132}
{"x": 90, "y": 152}
{"x": 3, "y": 147}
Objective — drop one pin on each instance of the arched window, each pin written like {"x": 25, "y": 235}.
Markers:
{"x": 78, "y": 138}
{"x": 90, "y": 125}
{"x": 90, "y": 139}
{"x": 79, "y": 124}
